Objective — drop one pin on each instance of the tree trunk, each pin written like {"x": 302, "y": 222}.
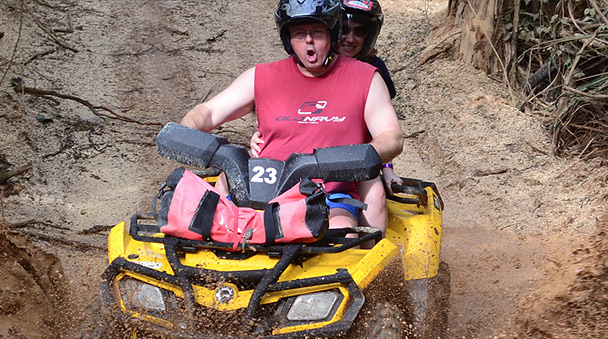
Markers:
{"x": 483, "y": 42}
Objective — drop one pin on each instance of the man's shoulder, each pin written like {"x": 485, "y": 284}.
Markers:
{"x": 278, "y": 63}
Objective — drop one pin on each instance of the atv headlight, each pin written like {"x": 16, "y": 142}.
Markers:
{"x": 314, "y": 306}
{"x": 140, "y": 296}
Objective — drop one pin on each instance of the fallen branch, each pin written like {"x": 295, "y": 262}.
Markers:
{"x": 7, "y": 174}
{"x": 539, "y": 76}
{"x": 45, "y": 4}
{"x": 413, "y": 135}
{"x": 39, "y": 55}
{"x": 536, "y": 149}
{"x": 598, "y": 11}
{"x": 65, "y": 144}
{"x": 51, "y": 34}
{"x": 96, "y": 229}
{"x": 29, "y": 222}
{"x": 590, "y": 129}
{"x": 73, "y": 243}
{"x": 588, "y": 95}
{"x": 18, "y": 87}
{"x": 577, "y": 59}
{"x": 512, "y": 58}
{"x": 22, "y": 223}
{"x": 10, "y": 62}
{"x": 484, "y": 173}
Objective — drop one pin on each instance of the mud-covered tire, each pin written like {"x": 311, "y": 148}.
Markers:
{"x": 382, "y": 321}
{"x": 429, "y": 302}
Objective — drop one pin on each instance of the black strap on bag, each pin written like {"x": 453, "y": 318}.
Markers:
{"x": 317, "y": 211}
{"x": 316, "y": 217}
{"x": 202, "y": 221}
{"x": 272, "y": 220}
{"x": 272, "y": 223}
{"x": 165, "y": 195}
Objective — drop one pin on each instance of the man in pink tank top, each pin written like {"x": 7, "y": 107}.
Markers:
{"x": 312, "y": 99}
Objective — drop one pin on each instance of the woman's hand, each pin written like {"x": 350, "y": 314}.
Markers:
{"x": 389, "y": 177}
{"x": 256, "y": 141}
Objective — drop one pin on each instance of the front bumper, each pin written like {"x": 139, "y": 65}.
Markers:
{"x": 197, "y": 321}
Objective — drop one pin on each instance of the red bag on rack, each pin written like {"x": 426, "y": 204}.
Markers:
{"x": 193, "y": 209}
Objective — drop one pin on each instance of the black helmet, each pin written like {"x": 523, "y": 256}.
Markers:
{"x": 294, "y": 12}
{"x": 368, "y": 13}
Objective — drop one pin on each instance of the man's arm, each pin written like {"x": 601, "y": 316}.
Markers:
{"x": 382, "y": 121}
{"x": 232, "y": 103}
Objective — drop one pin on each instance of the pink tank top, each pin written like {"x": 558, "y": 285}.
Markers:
{"x": 297, "y": 113}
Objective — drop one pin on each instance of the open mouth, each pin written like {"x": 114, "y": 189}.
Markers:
{"x": 311, "y": 56}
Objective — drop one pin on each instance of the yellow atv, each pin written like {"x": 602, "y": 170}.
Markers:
{"x": 162, "y": 286}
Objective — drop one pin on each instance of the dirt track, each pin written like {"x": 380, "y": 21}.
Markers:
{"x": 510, "y": 205}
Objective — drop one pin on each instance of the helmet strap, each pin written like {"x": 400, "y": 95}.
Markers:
{"x": 298, "y": 60}
{"x": 328, "y": 60}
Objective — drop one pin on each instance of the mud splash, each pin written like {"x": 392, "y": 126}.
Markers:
{"x": 573, "y": 301}
{"x": 32, "y": 290}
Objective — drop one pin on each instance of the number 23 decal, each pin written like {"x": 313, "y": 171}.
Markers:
{"x": 264, "y": 175}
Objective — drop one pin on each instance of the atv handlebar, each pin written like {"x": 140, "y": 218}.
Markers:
{"x": 416, "y": 190}
{"x": 255, "y": 181}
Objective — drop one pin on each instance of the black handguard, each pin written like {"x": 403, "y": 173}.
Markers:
{"x": 255, "y": 181}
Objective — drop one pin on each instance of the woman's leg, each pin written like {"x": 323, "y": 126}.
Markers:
{"x": 221, "y": 185}
{"x": 372, "y": 193}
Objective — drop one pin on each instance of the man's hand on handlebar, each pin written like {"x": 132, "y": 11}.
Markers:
{"x": 388, "y": 178}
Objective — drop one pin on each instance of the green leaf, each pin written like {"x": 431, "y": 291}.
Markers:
{"x": 540, "y": 30}
{"x": 579, "y": 75}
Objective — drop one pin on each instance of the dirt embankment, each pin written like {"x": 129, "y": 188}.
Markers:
{"x": 510, "y": 204}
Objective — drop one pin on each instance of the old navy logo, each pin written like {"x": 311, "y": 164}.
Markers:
{"x": 311, "y": 119}
{"x": 310, "y": 113}
{"x": 365, "y": 4}
{"x": 312, "y": 107}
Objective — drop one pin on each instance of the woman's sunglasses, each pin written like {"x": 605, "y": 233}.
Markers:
{"x": 359, "y": 31}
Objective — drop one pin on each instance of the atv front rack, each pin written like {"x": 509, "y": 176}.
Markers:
{"x": 265, "y": 280}
{"x": 335, "y": 240}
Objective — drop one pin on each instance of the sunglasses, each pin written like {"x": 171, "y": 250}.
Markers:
{"x": 359, "y": 31}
